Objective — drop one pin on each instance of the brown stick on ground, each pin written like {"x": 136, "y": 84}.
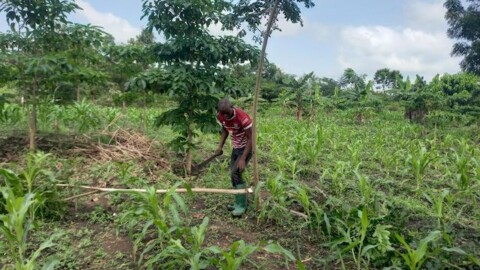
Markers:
{"x": 162, "y": 191}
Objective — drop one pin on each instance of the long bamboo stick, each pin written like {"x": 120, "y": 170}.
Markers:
{"x": 179, "y": 190}
{"x": 162, "y": 191}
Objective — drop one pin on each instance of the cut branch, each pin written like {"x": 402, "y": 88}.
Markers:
{"x": 163, "y": 191}
{"x": 295, "y": 213}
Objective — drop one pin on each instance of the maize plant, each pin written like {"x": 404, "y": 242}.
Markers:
{"x": 354, "y": 237}
{"x": 337, "y": 176}
{"x": 162, "y": 217}
{"x": 11, "y": 114}
{"x": 419, "y": 159}
{"x": 415, "y": 257}
{"x": 33, "y": 179}
{"x": 365, "y": 187}
{"x": 274, "y": 206}
{"x": 437, "y": 201}
{"x": 178, "y": 254}
{"x": 313, "y": 148}
{"x": 85, "y": 116}
{"x": 15, "y": 226}
{"x": 239, "y": 251}
{"x": 462, "y": 165}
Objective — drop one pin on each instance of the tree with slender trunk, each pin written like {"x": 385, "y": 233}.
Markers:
{"x": 40, "y": 48}
{"x": 189, "y": 66}
{"x": 252, "y": 14}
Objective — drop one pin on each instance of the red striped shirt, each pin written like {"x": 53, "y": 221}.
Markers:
{"x": 236, "y": 127}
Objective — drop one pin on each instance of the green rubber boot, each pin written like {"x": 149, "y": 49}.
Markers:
{"x": 240, "y": 202}
{"x": 231, "y": 206}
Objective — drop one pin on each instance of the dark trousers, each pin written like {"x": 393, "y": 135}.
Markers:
{"x": 235, "y": 173}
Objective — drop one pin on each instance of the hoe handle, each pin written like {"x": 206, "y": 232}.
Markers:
{"x": 205, "y": 162}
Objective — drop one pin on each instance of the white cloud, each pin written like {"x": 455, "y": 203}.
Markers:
{"x": 428, "y": 16}
{"x": 410, "y": 51}
{"x": 314, "y": 29}
{"x": 118, "y": 27}
{"x": 319, "y": 31}
{"x": 288, "y": 29}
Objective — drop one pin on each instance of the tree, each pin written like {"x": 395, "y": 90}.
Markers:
{"x": 30, "y": 46}
{"x": 272, "y": 77}
{"x": 126, "y": 61}
{"x": 301, "y": 91}
{"x": 351, "y": 80}
{"x": 190, "y": 64}
{"x": 82, "y": 45}
{"x": 327, "y": 86}
{"x": 251, "y": 14}
{"x": 46, "y": 51}
{"x": 421, "y": 99}
{"x": 464, "y": 25}
{"x": 462, "y": 93}
{"x": 387, "y": 78}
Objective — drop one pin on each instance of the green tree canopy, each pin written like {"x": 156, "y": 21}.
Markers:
{"x": 387, "y": 78}
{"x": 464, "y": 25}
{"x": 44, "y": 50}
{"x": 351, "y": 80}
{"x": 190, "y": 64}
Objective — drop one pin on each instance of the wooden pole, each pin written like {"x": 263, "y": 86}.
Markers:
{"x": 266, "y": 35}
{"x": 163, "y": 191}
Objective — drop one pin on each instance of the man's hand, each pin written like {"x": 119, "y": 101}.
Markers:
{"x": 241, "y": 164}
{"x": 219, "y": 152}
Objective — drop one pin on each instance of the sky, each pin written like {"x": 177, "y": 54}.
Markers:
{"x": 405, "y": 35}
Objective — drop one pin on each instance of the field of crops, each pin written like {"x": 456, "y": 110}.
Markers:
{"x": 336, "y": 194}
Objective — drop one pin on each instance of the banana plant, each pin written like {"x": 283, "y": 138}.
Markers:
{"x": 299, "y": 92}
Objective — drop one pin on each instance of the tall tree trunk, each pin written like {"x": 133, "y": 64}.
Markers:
{"x": 55, "y": 121}
{"x": 78, "y": 93}
{"x": 32, "y": 122}
{"x": 55, "y": 125}
{"x": 261, "y": 61}
{"x": 188, "y": 157}
{"x": 144, "y": 112}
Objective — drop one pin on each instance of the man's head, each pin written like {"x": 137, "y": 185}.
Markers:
{"x": 225, "y": 108}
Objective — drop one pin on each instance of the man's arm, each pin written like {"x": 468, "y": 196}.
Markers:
{"x": 223, "y": 138}
{"x": 248, "y": 148}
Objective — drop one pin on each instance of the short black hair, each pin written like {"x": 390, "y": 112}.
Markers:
{"x": 224, "y": 105}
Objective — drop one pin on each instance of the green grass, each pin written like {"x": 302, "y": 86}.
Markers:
{"x": 334, "y": 170}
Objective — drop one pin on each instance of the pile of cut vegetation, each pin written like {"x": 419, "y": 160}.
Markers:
{"x": 124, "y": 145}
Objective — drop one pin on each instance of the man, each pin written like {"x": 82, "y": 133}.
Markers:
{"x": 238, "y": 124}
